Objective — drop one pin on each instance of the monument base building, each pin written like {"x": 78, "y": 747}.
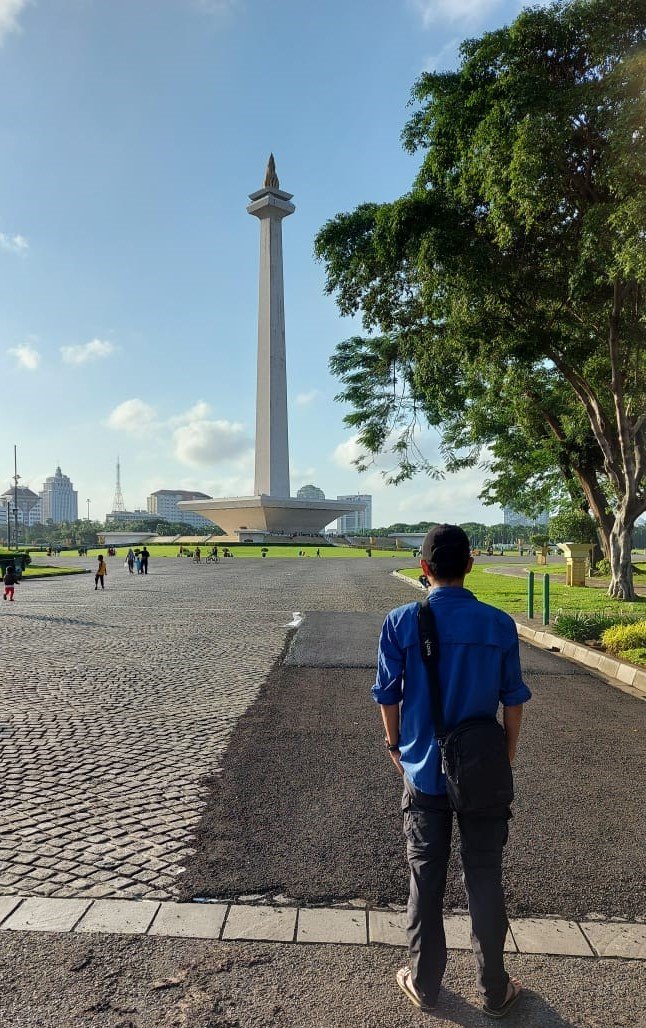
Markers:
{"x": 242, "y": 517}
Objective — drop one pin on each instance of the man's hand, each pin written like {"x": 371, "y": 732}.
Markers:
{"x": 512, "y": 717}
{"x": 394, "y": 756}
{"x": 390, "y": 718}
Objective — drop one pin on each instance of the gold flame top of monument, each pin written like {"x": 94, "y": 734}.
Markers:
{"x": 271, "y": 178}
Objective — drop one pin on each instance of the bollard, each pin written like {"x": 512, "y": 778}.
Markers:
{"x": 546, "y": 599}
{"x": 530, "y": 595}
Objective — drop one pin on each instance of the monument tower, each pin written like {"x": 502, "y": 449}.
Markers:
{"x": 270, "y": 205}
{"x": 271, "y": 508}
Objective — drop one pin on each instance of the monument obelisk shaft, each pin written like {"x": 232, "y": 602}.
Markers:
{"x": 270, "y": 205}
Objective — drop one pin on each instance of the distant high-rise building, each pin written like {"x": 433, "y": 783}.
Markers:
{"x": 164, "y": 502}
{"x": 28, "y": 507}
{"x": 514, "y": 519}
{"x": 310, "y": 492}
{"x": 120, "y": 517}
{"x": 35, "y": 516}
{"x": 357, "y": 520}
{"x": 59, "y": 499}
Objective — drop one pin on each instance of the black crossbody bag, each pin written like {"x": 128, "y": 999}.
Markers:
{"x": 474, "y": 753}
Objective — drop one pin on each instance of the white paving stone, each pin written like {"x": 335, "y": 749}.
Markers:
{"x": 325, "y": 925}
{"x": 190, "y": 920}
{"x": 273, "y": 924}
{"x": 616, "y": 940}
{"x": 387, "y": 927}
{"x": 457, "y": 928}
{"x": 38, "y": 914}
{"x": 119, "y": 917}
{"x": 556, "y": 937}
{"x": 7, "y": 905}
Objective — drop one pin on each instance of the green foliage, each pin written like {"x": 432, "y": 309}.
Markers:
{"x": 635, "y": 656}
{"x": 572, "y": 526}
{"x": 504, "y": 293}
{"x": 581, "y": 625}
{"x": 510, "y": 594}
{"x": 602, "y": 567}
{"x": 625, "y": 637}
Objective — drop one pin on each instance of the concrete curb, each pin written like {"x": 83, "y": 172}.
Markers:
{"x": 595, "y": 660}
{"x": 229, "y": 922}
{"x": 624, "y": 674}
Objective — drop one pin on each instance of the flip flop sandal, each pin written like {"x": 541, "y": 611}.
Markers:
{"x": 507, "y": 1005}
{"x": 404, "y": 983}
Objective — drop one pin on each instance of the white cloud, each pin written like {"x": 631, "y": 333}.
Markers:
{"x": 26, "y": 356}
{"x": 133, "y": 416}
{"x": 346, "y": 453}
{"x": 198, "y": 412}
{"x": 16, "y": 243}
{"x": 304, "y": 399}
{"x": 471, "y": 12}
{"x": 96, "y": 349}
{"x": 453, "y": 499}
{"x": 447, "y": 58}
{"x": 432, "y": 11}
{"x": 216, "y": 6}
{"x": 202, "y": 443}
{"x": 9, "y": 11}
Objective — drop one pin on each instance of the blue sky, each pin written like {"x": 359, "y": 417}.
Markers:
{"x": 131, "y": 132}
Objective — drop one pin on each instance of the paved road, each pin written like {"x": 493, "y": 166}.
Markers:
{"x": 115, "y": 726}
{"x": 121, "y": 701}
{"x": 308, "y": 803}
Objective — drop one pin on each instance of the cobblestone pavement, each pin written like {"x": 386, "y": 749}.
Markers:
{"x": 121, "y": 701}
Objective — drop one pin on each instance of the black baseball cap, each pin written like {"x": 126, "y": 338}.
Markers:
{"x": 446, "y": 544}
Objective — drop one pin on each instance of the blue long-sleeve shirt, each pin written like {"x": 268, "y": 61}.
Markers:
{"x": 479, "y": 667}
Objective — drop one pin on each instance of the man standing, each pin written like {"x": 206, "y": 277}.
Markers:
{"x": 144, "y": 560}
{"x": 478, "y": 667}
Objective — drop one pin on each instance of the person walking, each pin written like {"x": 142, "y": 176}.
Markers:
{"x": 441, "y": 664}
{"x": 101, "y": 572}
{"x": 144, "y": 560}
{"x": 10, "y": 580}
{"x": 130, "y": 560}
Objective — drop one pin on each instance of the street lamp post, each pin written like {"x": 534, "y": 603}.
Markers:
{"x": 16, "y": 478}
{"x": 88, "y": 509}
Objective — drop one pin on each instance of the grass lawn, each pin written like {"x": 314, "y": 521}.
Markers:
{"x": 510, "y": 594}
{"x": 34, "y": 571}
{"x": 245, "y": 551}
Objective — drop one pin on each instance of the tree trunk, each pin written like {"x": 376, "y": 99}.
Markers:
{"x": 597, "y": 503}
{"x": 621, "y": 537}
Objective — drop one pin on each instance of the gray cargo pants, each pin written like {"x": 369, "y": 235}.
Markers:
{"x": 428, "y": 822}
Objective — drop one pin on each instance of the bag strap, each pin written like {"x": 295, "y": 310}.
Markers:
{"x": 429, "y": 645}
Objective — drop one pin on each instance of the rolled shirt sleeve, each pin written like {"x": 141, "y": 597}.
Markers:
{"x": 513, "y": 690}
{"x": 387, "y": 689}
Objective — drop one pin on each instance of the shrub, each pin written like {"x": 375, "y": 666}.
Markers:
{"x": 602, "y": 567}
{"x": 572, "y": 526}
{"x": 625, "y": 637}
{"x": 636, "y": 656}
{"x": 579, "y": 625}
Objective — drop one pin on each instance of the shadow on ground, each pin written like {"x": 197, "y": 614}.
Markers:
{"x": 307, "y": 803}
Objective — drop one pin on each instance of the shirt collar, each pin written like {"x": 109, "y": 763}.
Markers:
{"x": 450, "y": 592}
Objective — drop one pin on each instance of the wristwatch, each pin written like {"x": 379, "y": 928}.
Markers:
{"x": 392, "y": 747}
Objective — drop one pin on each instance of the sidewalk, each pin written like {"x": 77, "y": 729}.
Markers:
{"x": 103, "y": 981}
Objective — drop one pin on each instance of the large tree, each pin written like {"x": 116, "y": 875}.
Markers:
{"x": 507, "y": 286}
